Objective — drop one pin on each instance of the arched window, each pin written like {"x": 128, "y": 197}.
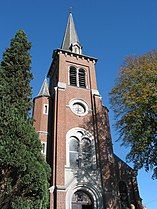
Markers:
{"x": 82, "y": 79}
{"x": 73, "y": 76}
{"x": 80, "y": 149}
{"x": 73, "y": 151}
{"x": 123, "y": 195}
{"x": 77, "y": 77}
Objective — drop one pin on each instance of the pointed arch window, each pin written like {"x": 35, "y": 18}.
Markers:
{"x": 73, "y": 76}
{"x": 82, "y": 79}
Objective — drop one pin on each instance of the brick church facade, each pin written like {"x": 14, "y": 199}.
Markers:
{"x": 73, "y": 127}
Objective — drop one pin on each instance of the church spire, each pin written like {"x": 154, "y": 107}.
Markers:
{"x": 44, "y": 91}
{"x": 70, "y": 40}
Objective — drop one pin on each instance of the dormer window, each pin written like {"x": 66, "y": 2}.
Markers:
{"x": 77, "y": 77}
{"x": 76, "y": 48}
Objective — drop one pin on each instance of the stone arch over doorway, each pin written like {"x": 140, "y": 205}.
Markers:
{"x": 93, "y": 194}
{"x": 82, "y": 200}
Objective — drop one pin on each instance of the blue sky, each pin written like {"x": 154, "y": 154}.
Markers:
{"x": 108, "y": 29}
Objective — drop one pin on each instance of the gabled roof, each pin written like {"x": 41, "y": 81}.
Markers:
{"x": 44, "y": 91}
{"x": 70, "y": 36}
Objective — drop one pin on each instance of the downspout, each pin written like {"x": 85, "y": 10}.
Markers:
{"x": 54, "y": 151}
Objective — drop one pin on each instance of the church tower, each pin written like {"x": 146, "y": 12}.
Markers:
{"x": 86, "y": 174}
{"x": 40, "y": 115}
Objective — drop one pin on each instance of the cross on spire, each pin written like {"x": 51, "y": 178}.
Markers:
{"x": 70, "y": 10}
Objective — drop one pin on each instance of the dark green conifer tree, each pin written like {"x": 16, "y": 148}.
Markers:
{"x": 23, "y": 172}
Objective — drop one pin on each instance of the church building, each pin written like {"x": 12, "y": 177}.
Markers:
{"x": 73, "y": 127}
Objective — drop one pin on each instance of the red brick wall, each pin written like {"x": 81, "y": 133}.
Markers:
{"x": 65, "y": 118}
{"x": 40, "y": 119}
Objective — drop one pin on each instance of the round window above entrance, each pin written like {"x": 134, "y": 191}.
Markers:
{"x": 78, "y": 107}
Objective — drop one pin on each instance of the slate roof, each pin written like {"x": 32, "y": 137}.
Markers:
{"x": 44, "y": 91}
{"x": 70, "y": 35}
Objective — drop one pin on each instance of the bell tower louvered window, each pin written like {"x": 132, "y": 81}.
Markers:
{"x": 73, "y": 76}
{"x": 77, "y": 77}
{"x": 82, "y": 79}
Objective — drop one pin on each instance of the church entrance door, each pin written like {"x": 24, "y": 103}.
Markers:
{"x": 86, "y": 206}
{"x": 82, "y": 200}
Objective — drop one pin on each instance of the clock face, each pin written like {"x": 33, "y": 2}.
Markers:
{"x": 78, "y": 107}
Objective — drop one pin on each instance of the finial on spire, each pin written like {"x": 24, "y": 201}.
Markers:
{"x": 70, "y": 40}
{"x": 70, "y": 10}
{"x": 44, "y": 91}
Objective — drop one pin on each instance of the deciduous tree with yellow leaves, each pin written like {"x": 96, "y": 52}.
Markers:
{"x": 134, "y": 102}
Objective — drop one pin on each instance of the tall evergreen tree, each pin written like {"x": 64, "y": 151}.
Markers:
{"x": 16, "y": 71}
{"x": 23, "y": 172}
